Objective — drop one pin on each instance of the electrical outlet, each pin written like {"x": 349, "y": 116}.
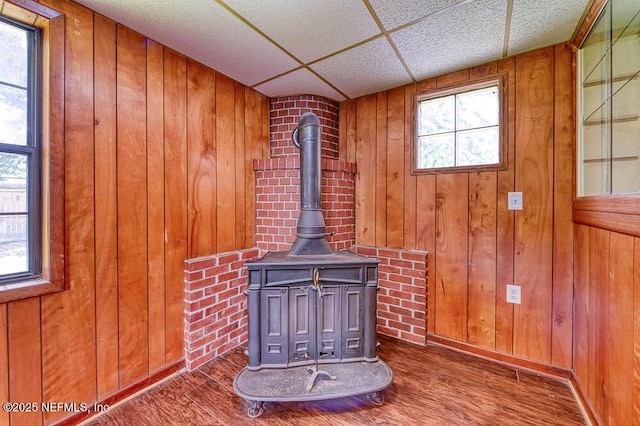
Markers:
{"x": 515, "y": 201}
{"x": 513, "y": 294}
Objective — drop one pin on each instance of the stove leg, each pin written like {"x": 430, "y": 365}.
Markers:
{"x": 376, "y": 398}
{"x": 255, "y": 409}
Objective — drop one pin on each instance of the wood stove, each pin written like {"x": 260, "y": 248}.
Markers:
{"x": 312, "y": 311}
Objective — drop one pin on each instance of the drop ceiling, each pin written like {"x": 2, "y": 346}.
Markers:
{"x": 343, "y": 49}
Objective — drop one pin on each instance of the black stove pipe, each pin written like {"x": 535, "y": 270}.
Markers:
{"x": 311, "y": 231}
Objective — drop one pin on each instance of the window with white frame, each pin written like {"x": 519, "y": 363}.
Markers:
{"x": 460, "y": 128}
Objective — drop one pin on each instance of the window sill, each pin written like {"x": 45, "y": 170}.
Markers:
{"x": 29, "y": 288}
{"x": 460, "y": 169}
{"x": 618, "y": 213}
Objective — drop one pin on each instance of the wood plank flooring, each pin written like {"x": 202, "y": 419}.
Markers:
{"x": 432, "y": 386}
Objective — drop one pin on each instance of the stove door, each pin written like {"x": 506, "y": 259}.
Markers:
{"x": 275, "y": 306}
{"x": 352, "y": 322}
{"x": 302, "y": 324}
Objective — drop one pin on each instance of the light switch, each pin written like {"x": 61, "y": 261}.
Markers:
{"x": 515, "y": 201}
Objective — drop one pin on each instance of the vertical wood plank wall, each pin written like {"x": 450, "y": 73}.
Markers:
{"x": 476, "y": 246}
{"x": 158, "y": 164}
{"x": 607, "y": 322}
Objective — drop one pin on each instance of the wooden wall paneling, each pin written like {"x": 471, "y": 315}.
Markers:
{"x": 452, "y": 78}
{"x": 106, "y": 217}
{"x": 483, "y": 70}
{"x": 395, "y": 167}
{"x": 25, "y": 346}
{"x": 599, "y": 255}
{"x": 225, "y": 164}
{"x": 366, "y": 113}
{"x": 426, "y": 237}
{"x": 342, "y": 131}
{"x": 482, "y": 259}
{"x": 266, "y": 128}
{"x": 380, "y": 169}
{"x": 505, "y": 219}
{"x": 534, "y": 224}
{"x": 175, "y": 199}
{"x": 155, "y": 205}
{"x": 53, "y": 126}
{"x": 240, "y": 167}
{"x": 425, "y": 85}
{"x": 582, "y": 314}
{"x": 452, "y": 219}
{"x": 620, "y": 325}
{"x": 623, "y": 204}
{"x": 636, "y": 332}
{"x": 201, "y": 150}
{"x": 592, "y": 320}
{"x": 426, "y": 224}
{"x": 350, "y": 107}
{"x": 69, "y": 317}
{"x": 132, "y": 207}
{"x": 563, "y": 162}
{"x": 616, "y": 222}
{"x": 410, "y": 196}
{"x": 4, "y": 362}
{"x": 257, "y": 146}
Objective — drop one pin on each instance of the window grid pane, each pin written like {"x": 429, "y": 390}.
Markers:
{"x": 437, "y": 116}
{"x": 477, "y": 146}
{"x": 13, "y": 115}
{"x": 436, "y": 151}
{"x": 459, "y": 130}
{"x": 14, "y": 54}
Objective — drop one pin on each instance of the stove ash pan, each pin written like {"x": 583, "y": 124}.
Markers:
{"x": 308, "y": 309}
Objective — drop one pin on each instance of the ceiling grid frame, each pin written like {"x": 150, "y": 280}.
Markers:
{"x": 344, "y": 49}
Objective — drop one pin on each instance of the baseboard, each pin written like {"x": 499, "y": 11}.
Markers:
{"x": 583, "y": 401}
{"x": 505, "y": 359}
{"x": 123, "y": 394}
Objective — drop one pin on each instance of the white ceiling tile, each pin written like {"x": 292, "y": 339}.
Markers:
{"x": 393, "y": 13}
{"x": 299, "y": 82}
{"x": 202, "y": 30}
{"x": 365, "y": 69}
{"x": 534, "y": 24}
{"x": 468, "y": 34}
{"x": 310, "y": 29}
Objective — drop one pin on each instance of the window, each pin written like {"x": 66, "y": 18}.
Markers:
{"x": 460, "y": 128}
{"x": 609, "y": 92}
{"x": 32, "y": 237}
{"x": 20, "y": 148}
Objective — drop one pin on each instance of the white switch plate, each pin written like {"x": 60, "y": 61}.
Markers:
{"x": 513, "y": 294}
{"x": 515, "y": 201}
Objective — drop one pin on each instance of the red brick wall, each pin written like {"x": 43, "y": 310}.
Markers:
{"x": 402, "y": 294}
{"x": 215, "y": 307}
{"x": 278, "y": 178}
{"x": 285, "y": 114}
{"x": 278, "y": 202}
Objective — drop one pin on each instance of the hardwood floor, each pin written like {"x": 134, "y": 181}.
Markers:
{"x": 432, "y": 386}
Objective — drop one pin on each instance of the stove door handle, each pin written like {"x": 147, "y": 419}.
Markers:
{"x": 316, "y": 282}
